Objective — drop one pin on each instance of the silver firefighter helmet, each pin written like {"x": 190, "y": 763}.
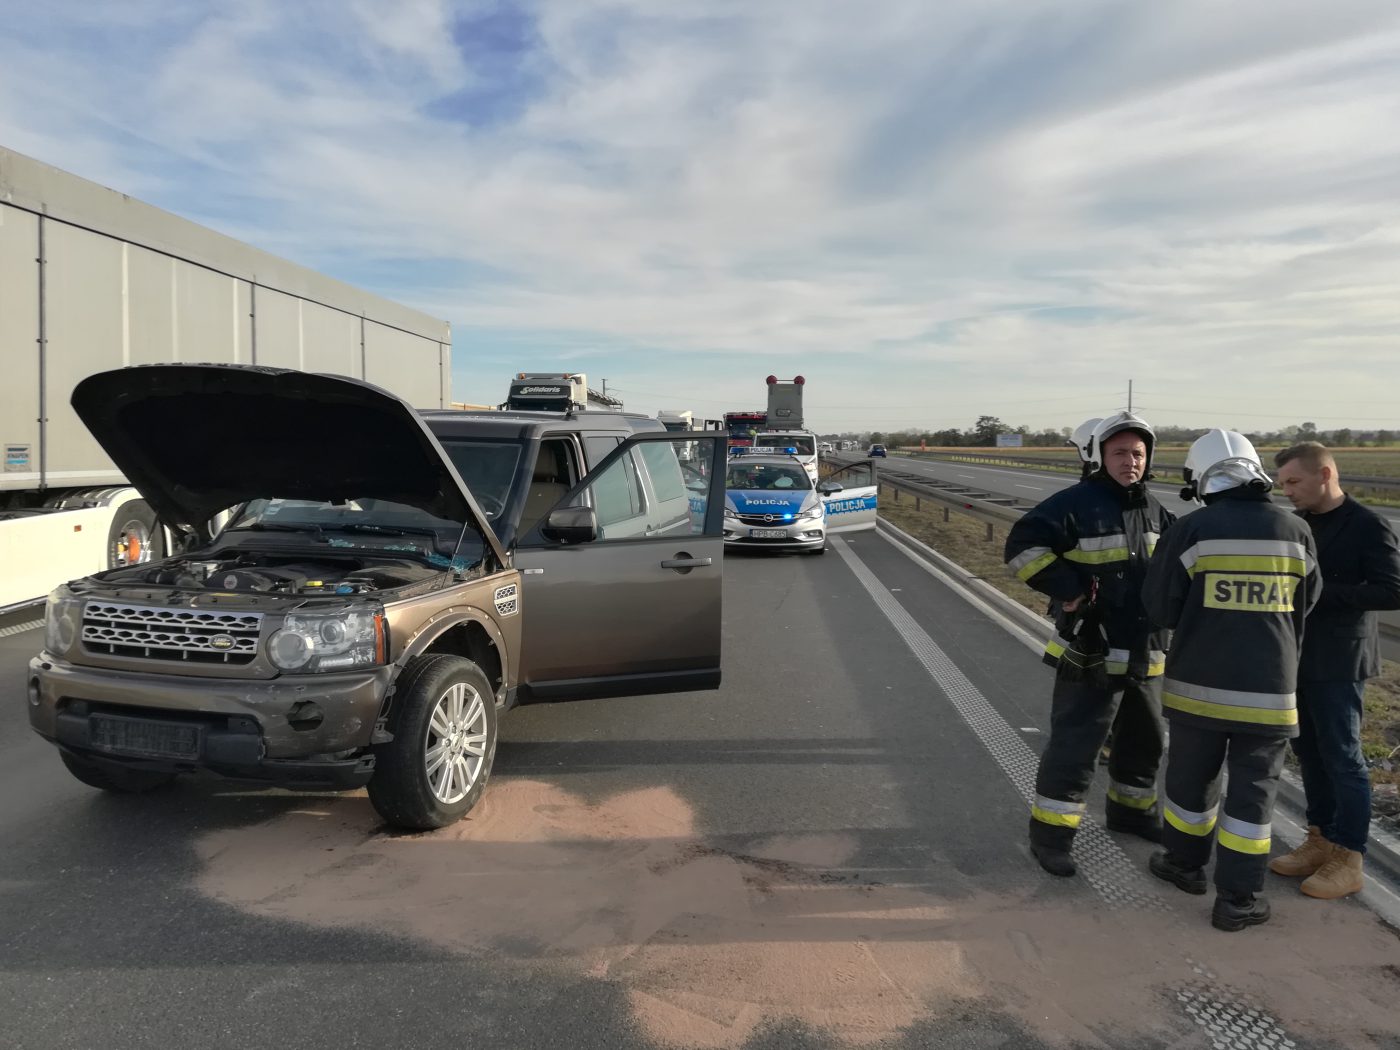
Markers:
{"x": 1116, "y": 424}
{"x": 1082, "y": 437}
{"x": 1220, "y": 460}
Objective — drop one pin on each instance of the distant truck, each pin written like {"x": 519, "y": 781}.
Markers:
{"x": 785, "y": 403}
{"x": 90, "y": 280}
{"x": 743, "y": 426}
{"x": 677, "y": 419}
{"x": 555, "y": 392}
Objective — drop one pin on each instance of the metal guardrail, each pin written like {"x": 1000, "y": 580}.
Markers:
{"x": 996, "y": 509}
{"x": 990, "y": 507}
{"x": 1072, "y": 465}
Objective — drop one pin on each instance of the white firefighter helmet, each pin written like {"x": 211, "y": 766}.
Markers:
{"x": 1220, "y": 460}
{"x": 1116, "y": 424}
{"x": 1081, "y": 437}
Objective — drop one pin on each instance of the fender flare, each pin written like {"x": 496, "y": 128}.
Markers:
{"x": 428, "y": 633}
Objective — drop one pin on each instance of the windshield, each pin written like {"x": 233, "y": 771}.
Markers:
{"x": 767, "y": 476}
{"x": 487, "y": 467}
{"x": 373, "y": 524}
{"x": 805, "y": 444}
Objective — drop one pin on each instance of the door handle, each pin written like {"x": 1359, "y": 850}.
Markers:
{"x": 685, "y": 564}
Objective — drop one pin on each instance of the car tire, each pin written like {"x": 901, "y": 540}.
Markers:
{"x": 134, "y": 537}
{"x": 443, "y": 720}
{"x": 114, "y": 777}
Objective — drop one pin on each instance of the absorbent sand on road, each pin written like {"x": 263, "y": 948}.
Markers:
{"x": 712, "y": 945}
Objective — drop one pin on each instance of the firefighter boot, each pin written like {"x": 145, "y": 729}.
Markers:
{"x": 1169, "y": 869}
{"x": 1055, "y": 861}
{"x": 1145, "y": 825}
{"x": 1312, "y": 853}
{"x": 1233, "y": 912}
{"x": 1338, "y": 877}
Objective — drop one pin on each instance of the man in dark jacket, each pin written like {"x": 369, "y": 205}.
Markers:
{"x": 1360, "y": 565}
{"x": 1087, "y": 547}
{"x": 1235, "y": 581}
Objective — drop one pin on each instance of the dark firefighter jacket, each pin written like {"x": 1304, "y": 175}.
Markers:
{"x": 1096, "y": 531}
{"x": 1234, "y": 581}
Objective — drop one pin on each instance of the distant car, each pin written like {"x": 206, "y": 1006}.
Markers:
{"x": 876, "y": 450}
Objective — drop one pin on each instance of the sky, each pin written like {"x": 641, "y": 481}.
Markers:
{"x": 932, "y": 211}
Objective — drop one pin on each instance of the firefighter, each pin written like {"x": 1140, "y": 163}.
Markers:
{"x": 1087, "y": 548}
{"x": 1235, "y": 581}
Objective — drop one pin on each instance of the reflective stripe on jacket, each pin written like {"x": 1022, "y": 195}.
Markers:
{"x": 1234, "y": 581}
{"x": 1096, "y": 531}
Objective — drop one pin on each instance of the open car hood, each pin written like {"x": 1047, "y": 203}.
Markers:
{"x": 198, "y": 439}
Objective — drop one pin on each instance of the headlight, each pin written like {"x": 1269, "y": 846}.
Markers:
{"x": 62, "y": 618}
{"x": 338, "y": 641}
{"x": 812, "y": 515}
{"x": 729, "y": 513}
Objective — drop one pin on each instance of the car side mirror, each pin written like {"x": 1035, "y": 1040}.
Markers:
{"x": 698, "y": 485}
{"x": 827, "y": 488}
{"x": 571, "y": 525}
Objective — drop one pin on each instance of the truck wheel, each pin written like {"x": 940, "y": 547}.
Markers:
{"x": 110, "y": 776}
{"x": 444, "y": 726}
{"x": 133, "y": 538}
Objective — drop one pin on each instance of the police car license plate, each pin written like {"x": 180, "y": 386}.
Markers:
{"x": 768, "y": 534}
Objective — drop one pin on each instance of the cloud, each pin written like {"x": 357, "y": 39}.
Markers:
{"x": 992, "y": 202}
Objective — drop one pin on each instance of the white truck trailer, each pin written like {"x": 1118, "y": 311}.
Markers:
{"x": 91, "y": 279}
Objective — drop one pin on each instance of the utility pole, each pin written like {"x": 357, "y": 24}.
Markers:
{"x": 1130, "y": 395}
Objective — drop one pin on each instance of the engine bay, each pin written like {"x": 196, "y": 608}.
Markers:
{"x": 270, "y": 573}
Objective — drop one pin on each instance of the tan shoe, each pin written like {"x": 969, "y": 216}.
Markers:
{"x": 1311, "y": 854}
{"x": 1340, "y": 876}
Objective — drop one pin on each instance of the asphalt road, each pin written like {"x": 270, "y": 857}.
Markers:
{"x": 828, "y": 851}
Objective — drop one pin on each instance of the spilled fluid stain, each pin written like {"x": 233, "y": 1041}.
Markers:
{"x": 712, "y": 944}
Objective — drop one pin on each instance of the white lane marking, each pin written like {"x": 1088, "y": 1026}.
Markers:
{"x": 1103, "y": 863}
{"x": 1033, "y": 488}
{"x": 966, "y": 475}
{"x": 20, "y": 628}
{"x": 941, "y": 569}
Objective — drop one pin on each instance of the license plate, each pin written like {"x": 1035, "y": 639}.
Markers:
{"x": 768, "y": 534}
{"x": 140, "y": 736}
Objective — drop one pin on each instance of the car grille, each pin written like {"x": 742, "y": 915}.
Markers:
{"x": 775, "y": 521}
{"x": 171, "y": 634}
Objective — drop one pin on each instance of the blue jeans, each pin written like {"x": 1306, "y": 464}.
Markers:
{"x": 1328, "y": 747}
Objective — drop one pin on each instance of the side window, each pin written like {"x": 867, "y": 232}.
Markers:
{"x": 669, "y": 513}
{"x": 857, "y": 475}
{"x": 616, "y": 498}
{"x": 597, "y": 446}
{"x": 665, "y": 470}
{"x": 555, "y": 472}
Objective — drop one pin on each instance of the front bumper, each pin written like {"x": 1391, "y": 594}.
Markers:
{"x": 803, "y": 535}
{"x": 296, "y": 730}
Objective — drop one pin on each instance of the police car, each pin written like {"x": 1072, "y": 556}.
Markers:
{"x": 771, "y": 502}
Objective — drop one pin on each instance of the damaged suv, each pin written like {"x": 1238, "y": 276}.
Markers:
{"x": 359, "y": 617}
